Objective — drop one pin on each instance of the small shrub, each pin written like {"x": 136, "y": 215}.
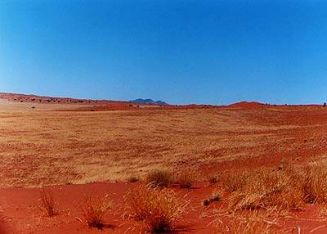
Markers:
{"x": 159, "y": 178}
{"x": 158, "y": 209}
{"x": 94, "y": 209}
{"x": 48, "y": 204}
{"x": 133, "y": 179}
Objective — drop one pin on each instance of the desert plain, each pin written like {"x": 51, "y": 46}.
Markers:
{"x": 77, "y": 147}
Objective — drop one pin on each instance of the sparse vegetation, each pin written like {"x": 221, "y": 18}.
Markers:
{"x": 133, "y": 179}
{"x": 185, "y": 179}
{"x": 158, "y": 209}
{"x": 215, "y": 197}
{"x": 289, "y": 187}
{"x": 315, "y": 184}
{"x": 234, "y": 181}
{"x": 48, "y": 204}
{"x": 94, "y": 210}
{"x": 247, "y": 222}
{"x": 159, "y": 178}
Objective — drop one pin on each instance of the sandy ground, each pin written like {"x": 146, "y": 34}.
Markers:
{"x": 60, "y": 144}
{"x": 23, "y": 216}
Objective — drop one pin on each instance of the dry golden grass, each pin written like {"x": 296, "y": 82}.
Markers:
{"x": 287, "y": 188}
{"x": 159, "y": 178}
{"x": 185, "y": 179}
{"x": 48, "y": 204}
{"x": 158, "y": 209}
{"x": 94, "y": 210}
{"x": 315, "y": 184}
{"x": 234, "y": 181}
{"x": 45, "y": 146}
{"x": 247, "y": 222}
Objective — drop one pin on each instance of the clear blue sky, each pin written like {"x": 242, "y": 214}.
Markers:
{"x": 204, "y": 51}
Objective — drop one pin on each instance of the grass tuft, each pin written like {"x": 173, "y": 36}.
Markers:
{"x": 158, "y": 209}
{"x": 185, "y": 179}
{"x": 94, "y": 210}
{"x": 159, "y": 178}
{"x": 48, "y": 204}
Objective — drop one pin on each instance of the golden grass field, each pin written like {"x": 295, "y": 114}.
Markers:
{"x": 51, "y": 144}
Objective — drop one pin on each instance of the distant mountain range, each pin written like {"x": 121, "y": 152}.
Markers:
{"x": 148, "y": 101}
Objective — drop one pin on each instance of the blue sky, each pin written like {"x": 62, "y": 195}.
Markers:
{"x": 204, "y": 51}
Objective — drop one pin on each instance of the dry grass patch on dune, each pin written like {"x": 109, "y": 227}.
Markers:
{"x": 266, "y": 188}
{"x": 315, "y": 183}
{"x": 234, "y": 181}
{"x": 94, "y": 210}
{"x": 290, "y": 187}
{"x": 159, "y": 178}
{"x": 247, "y": 222}
{"x": 185, "y": 179}
{"x": 158, "y": 209}
{"x": 48, "y": 204}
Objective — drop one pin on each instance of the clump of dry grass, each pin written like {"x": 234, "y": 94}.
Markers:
{"x": 215, "y": 197}
{"x": 159, "y": 178}
{"x": 315, "y": 184}
{"x": 158, "y": 209}
{"x": 48, "y": 204}
{"x": 290, "y": 187}
{"x": 94, "y": 209}
{"x": 185, "y": 179}
{"x": 234, "y": 181}
{"x": 265, "y": 188}
{"x": 247, "y": 222}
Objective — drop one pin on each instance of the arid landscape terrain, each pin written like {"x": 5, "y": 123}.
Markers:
{"x": 70, "y": 148}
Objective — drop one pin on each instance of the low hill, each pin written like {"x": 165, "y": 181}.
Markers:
{"x": 148, "y": 101}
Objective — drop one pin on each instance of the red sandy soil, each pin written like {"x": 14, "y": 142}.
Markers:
{"x": 303, "y": 140}
{"x": 22, "y": 214}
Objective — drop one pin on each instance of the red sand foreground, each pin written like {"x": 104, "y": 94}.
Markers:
{"x": 23, "y": 215}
